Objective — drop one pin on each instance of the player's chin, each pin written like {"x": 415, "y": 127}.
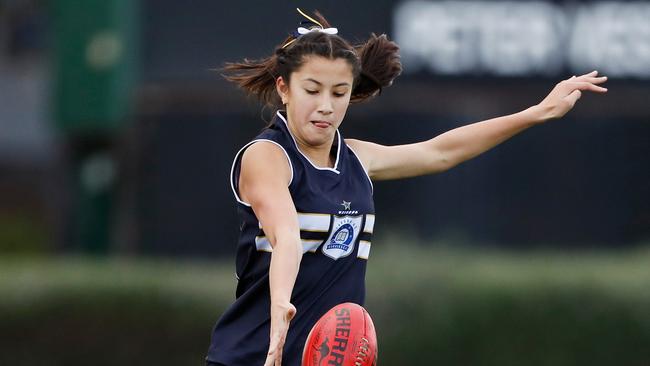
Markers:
{"x": 321, "y": 136}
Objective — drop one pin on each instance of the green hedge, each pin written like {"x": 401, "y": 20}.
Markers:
{"x": 430, "y": 306}
{"x": 500, "y": 309}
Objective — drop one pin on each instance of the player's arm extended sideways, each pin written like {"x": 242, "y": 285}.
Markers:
{"x": 463, "y": 143}
{"x": 441, "y": 152}
{"x": 263, "y": 182}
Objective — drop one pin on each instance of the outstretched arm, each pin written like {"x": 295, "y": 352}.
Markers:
{"x": 463, "y": 143}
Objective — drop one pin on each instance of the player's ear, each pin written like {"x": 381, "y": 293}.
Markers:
{"x": 283, "y": 89}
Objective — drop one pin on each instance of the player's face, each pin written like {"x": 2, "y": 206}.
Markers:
{"x": 317, "y": 98}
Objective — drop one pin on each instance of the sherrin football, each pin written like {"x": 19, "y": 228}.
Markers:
{"x": 344, "y": 336}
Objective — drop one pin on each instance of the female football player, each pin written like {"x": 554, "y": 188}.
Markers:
{"x": 304, "y": 192}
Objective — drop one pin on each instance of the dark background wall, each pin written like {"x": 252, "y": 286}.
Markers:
{"x": 579, "y": 182}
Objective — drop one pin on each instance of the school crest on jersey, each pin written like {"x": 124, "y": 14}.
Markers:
{"x": 343, "y": 236}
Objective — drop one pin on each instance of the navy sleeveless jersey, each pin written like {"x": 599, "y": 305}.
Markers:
{"x": 336, "y": 217}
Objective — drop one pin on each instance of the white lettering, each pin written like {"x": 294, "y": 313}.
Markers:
{"x": 520, "y": 38}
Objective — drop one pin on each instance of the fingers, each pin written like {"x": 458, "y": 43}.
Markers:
{"x": 273, "y": 350}
{"x": 280, "y": 323}
{"x": 274, "y": 357}
{"x": 584, "y": 85}
{"x": 593, "y": 80}
{"x": 270, "y": 360}
{"x": 598, "y": 80}
{"x": 278, "y": 359}
{"x": 591, "y": 77}
{"x": 589, "y": 81}
{"x": 591, "y": 74}
{"x": 574, "y": 96}
{"x": 589, "y": 86}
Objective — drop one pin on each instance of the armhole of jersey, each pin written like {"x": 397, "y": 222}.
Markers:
{"x": 372, "y": 188}
{"x": 234, "y": 185}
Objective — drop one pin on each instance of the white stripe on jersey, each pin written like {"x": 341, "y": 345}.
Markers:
{"x": 313, "y": 222}
{"x": 263, "y": 244}
{"x": 364, "y": 249}
{"x": 370, "y": 224}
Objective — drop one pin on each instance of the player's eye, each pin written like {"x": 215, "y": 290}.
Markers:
{"x": 339, "y": 94}
{"x": 311, "y": 91}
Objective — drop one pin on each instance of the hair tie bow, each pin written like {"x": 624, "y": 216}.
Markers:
{"x": 310, "y": 25}
{"x": 302, "y": 30}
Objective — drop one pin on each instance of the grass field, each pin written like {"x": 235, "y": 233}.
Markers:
{"x": 623, "y": 270}
{"x": 467, "y": 305}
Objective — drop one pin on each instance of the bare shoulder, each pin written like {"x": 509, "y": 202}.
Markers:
{"x": 355, "y": 144}
{"x": 264, "y": 184}
{"x": 397, "y": 161}
{"x": 372, "y": 155}
{"x": 266, "y": 160}
{"x": 363, "y": 150}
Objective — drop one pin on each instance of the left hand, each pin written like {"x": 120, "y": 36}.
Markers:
{"x": 567, "y": 92}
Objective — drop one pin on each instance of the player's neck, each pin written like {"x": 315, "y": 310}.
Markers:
{"x": 321, "y": 156}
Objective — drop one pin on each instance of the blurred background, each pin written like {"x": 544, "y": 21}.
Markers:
{"x": 118, "y": 225}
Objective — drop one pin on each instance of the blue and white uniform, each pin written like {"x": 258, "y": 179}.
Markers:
{"x": 336, "y": 215}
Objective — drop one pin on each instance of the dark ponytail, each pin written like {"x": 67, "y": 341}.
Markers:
{"x": 380, "y": 65}
{"x": 256, "y": 77}
{"x": 375, "y": 64}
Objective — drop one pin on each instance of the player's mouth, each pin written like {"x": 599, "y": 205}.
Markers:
{"x": 321, "y": 124}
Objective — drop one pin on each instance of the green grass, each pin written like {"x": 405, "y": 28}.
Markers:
{"x": 490, "y": 307}
{"x": 625, "y": 271}
{"x": 30, "y": 278}
{"x": 464, "y": 306}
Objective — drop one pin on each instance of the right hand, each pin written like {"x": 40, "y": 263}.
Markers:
{"x": 281, "y": 315}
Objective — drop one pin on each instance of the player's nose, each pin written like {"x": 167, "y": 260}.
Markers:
{"x": 325, "y": 105}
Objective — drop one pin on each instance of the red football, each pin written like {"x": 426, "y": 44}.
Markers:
{"x": 344, "y": 336}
